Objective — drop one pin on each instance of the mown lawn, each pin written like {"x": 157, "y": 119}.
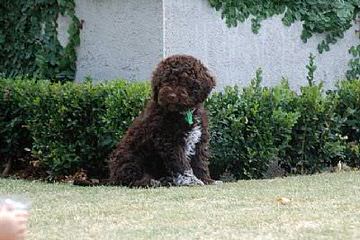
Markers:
{"x": 325, "y": 206}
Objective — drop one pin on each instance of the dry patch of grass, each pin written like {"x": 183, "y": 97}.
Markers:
{"x": 325, "y": 206}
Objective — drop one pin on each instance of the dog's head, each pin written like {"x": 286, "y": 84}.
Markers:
{"x": 180, "y": 82}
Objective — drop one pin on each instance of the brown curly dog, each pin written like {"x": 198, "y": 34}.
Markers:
{"x": 168, "y": 142}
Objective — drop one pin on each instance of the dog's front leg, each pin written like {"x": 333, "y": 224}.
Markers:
{"x": 187, "y": 179}
{"x": 179, "y": 167}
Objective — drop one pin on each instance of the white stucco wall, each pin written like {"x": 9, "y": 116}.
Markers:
{"x": 119, "y": 39}
{"x": 62, "y": 29}
{"x": 234, "y": 54}
{"x": 127, "y": 38}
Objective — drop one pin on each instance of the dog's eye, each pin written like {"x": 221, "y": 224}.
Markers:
{"x": 184, "y": 94}
{"x": 195, "y": 87}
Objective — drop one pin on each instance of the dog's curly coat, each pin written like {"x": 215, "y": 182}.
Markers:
{"x": 161, "y": 144}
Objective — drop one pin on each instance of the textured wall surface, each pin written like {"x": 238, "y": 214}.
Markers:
{"x": 119, "y": 39}
{"x": 234, "y": 54}
{"x": 62, "y": 29}
{"x": 126, "y": 39}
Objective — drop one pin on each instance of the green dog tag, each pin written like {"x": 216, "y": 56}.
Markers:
{"x": 189, "y": 117}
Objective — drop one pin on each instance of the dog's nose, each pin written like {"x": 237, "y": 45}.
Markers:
{"x": 172, "y": 97}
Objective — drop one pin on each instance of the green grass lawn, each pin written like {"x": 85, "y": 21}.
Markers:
{"x": 325, "y": 206}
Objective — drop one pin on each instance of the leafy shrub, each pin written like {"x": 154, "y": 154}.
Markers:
{"x": 15, "y": 138}
{"x": 67, "y": 126}
{"x": 349, "y": 109}
{"x": 123, "y": 103}
{"x": 72, "y": 124}
{"x": 250, "y": 128}
{"x": 253, "y": 130}
{"x": 64, "y": 125}
{"x": 316, "y": 141}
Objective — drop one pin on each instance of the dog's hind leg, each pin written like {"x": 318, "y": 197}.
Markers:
{"x": 145, "y": 181}
{"x": 128, "y": 172}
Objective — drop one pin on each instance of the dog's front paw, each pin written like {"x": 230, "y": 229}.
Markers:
{"x": 217, "y": 182}
{"x": 154, "y": 183}
{"x": 187, "y": 179}
{"x": 209, "y": 181}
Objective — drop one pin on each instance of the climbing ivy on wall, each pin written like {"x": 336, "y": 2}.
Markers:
{"x": 354, "y": 64}
{"x": 317, "y": 16}
{"x": 29, "y": 43}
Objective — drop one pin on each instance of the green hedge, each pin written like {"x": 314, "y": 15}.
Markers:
{"x": 15, "y": 138}
{"x": 250, "y": 128}
{"x": 349, "y": 109}
{"x": 67, "y": 126}
{"x": 72, "y": 126}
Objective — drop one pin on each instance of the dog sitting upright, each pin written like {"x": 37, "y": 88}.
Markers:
{"x": 169, "y": 141}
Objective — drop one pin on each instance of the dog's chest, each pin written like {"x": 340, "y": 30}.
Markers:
{"x": 191, "y": 139}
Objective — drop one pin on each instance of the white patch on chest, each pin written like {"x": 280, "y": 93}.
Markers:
{"x": 191, "y": 139}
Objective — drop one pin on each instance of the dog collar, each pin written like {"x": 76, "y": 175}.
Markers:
{"x": 189, "y": 116}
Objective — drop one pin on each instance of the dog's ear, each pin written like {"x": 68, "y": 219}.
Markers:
{"x": 208, "y": 78}
{"x": 155, "y": 89}
{"x": 156, "y": 79}
{"x": 212, "y": 81}
{"x": 159, "y": 76}
{"x": 205, "y": 75}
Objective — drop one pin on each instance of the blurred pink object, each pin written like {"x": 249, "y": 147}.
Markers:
{"x": 13, "y": 219}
